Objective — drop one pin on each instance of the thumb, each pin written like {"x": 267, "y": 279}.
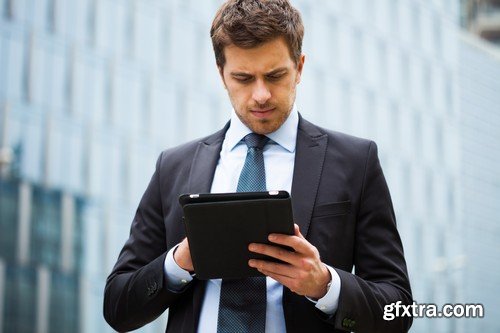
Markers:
{"x": 297, "y": 231}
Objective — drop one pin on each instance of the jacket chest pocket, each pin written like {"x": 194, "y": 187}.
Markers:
{"x": 332, "y": 209}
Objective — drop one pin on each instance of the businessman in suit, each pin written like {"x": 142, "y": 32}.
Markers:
{"x": 341, "y": 205}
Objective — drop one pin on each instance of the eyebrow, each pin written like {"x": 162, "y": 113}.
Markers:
{"x": 273, "y": 72}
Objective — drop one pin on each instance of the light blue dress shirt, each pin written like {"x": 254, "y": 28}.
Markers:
{"x": 279, "y": 158}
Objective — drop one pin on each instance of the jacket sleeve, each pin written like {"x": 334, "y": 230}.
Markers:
{"x": 381, "y": 276}
{"x": 135, "y": 292}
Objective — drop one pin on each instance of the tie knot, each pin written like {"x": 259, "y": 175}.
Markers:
{"x": 254, "y": 140}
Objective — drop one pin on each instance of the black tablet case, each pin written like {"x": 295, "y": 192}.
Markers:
{"x": 220, "y": 227}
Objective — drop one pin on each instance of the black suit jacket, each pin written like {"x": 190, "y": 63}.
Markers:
{"x": 340, "y": 201}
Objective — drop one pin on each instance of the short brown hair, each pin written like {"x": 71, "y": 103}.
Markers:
{"x": 250, "y": 23}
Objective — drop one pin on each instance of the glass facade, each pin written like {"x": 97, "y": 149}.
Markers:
{"x": 39, "y": 293}
{"x": 480, "y": 185}
{"x": 91, "y": 91}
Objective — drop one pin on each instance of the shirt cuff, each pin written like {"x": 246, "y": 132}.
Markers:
{"x": 176, "y": 277}
{"x": 329, "y": 303}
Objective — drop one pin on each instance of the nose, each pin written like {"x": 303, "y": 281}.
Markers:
{"x": 261, "y": 93}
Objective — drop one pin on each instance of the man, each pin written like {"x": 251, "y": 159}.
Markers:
{"x": 341, "y": 205}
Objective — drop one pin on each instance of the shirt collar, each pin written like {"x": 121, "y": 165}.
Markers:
{"x": 285, "y": 136}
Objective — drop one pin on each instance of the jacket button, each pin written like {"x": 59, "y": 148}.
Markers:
{"x": 152, "y": 289}
{"x": 346, "y": 322}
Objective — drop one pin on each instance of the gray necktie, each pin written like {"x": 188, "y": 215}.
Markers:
{"x": 242, "y": 306}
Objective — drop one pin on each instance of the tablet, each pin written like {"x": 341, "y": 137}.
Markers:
{"x": 220, "y": 226}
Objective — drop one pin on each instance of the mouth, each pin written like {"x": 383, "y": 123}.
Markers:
{"x": 262, "y": 113}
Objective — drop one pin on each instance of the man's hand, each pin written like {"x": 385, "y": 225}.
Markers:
{"x": 302, "y": 271}
{"x": 182, "y": 256}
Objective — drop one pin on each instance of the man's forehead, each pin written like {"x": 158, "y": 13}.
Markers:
{"x": 266, "y": 57}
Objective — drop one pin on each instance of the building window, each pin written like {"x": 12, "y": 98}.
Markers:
{"x": 165, "y": 40}
{"x": 69, "y": 82}
{"x": 415, "y": 18}
{"x": 146, "y": 107}
{"x": 357, "y": 53}
{"x": 418, "y": 243}
{"x": 450, "y": 201}
{"x": 27, "y": 71}
{"x": 20, "y": 295}
{"x": 51, "y": 16}
{"x": 395, "y": 126}
{"x": 46, "y": 227}
{"x": 430, "y": 195}
{"x": 109, "y": 94}
{"x": 438, "y": 42}
{"x": 439, "y": 136}
{"x": 8, "y": 10}
{"x": 78, "y": 235}
{"x": 394, "y": 17}
{"x": 448, "y": 92}
{"x": 405, "y": 74}
{"x": 91, "y": 22}
{"x": 417, "y": 132}
{"x": 9, "y": 193}
{"x": 129, "y": 31}
{"x": 64, "y": 302}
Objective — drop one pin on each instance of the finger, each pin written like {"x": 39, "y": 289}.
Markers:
{"x": 297, "y": 231}
{"x": 284, "y": 280}
{"x": 273, "y": 267}
{"x": 275, "y": 252}
{"x": 299, "y": 244}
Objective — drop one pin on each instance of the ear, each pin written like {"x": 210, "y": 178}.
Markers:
{"x": 300, "y": 66}
{"x": 221, "y": 73}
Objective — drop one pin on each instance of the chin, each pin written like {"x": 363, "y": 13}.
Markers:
{"x": 264, "y": 127}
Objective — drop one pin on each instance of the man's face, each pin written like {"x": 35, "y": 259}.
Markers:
{"x": 261, "y": 83}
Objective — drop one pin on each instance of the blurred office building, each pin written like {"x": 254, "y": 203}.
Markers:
{"x": 91, "y": 91}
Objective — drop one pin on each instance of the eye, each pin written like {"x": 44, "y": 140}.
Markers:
{"x": 275, "y": 77}
{"x": 242, "y": 78}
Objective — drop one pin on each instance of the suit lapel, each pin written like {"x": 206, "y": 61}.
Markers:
{"x": 205, "y": 161}
{"x": 309, "y": 159}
